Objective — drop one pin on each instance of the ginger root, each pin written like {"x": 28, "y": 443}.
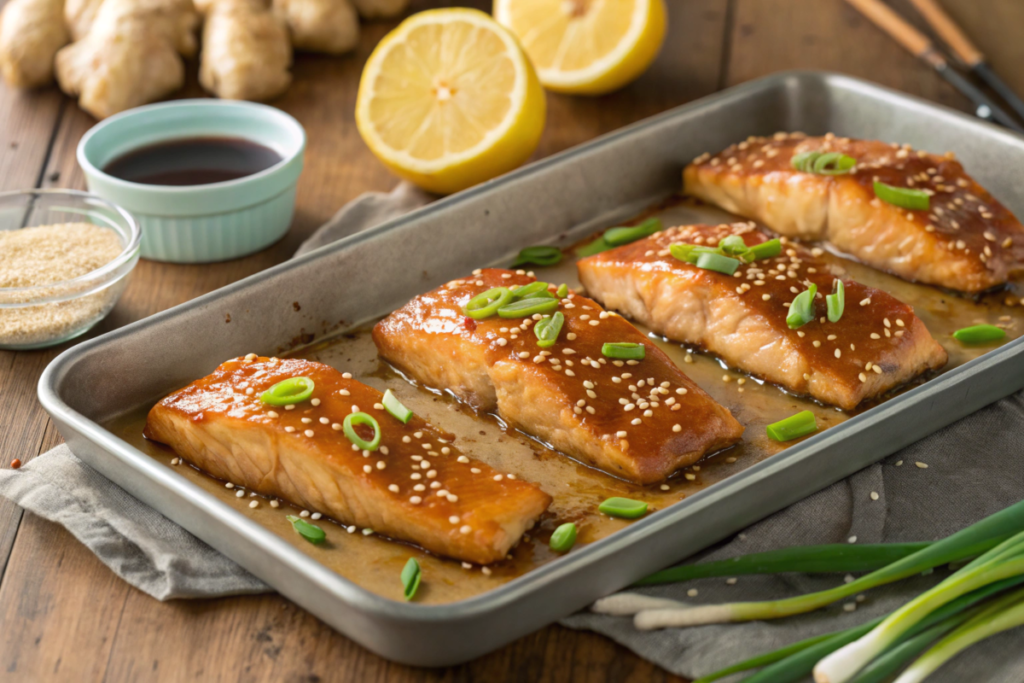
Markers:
{"x": 31, "y": 32}
{"x": 380, "y": 9}
{"x": 327, "y": 26}
{"x": 79, "y": 15}
{"x": 246, "y": 51}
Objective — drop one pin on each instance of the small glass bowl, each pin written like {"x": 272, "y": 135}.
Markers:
{"x": 39, "y": 316}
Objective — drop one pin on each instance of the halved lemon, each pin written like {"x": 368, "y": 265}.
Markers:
{"x": 586, "y": 47}
{"x": 449, "y": 99}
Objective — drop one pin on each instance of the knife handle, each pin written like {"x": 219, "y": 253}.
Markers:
{"x": 902, "y": 32}
{"x": 944, "y": 25}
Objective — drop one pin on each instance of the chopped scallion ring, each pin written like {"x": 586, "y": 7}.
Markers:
{"x": 548, "y": 329}
{"x": 836, "y": 302}
{"x": 624, "y": 350}
{"x": 833, "y": 163}
{"x": 793, "y": 427}
{"x": 563, "y": 291}
{"x": 527, "y": 307}
{"x": 534, "y": 289}
{"x": 718, "y": 263}
{"x": 310, "y": 532}
{"x": 564, "y": 538}
{"x": 541, "y": 256}
{"x": 349, "y": 427}
{"x": 395, "y": 407}
{"x": 626, "y": 508}
{"x": 689, "y": 252}
{"x": 769, "y": 249}
{"x": 733, "y": 245}
{"x": 979, "y": 334}
{"x": 801, "y": 311}
{"x": 411, "y": 576}
{"x": 595, "y": 247}
{"x": 486, "y": 304}
{"x": 903, "y": 197}
{"x": 618, "y": 236}
{"x": 288, "y": 391}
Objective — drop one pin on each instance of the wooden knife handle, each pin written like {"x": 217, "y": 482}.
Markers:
{"x": 896, "y": 26}
{"x": 949, "y": 31}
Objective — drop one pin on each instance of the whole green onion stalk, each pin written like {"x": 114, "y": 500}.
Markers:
{"x": 971, "y": 542}
{"x": 1004, "y": 561}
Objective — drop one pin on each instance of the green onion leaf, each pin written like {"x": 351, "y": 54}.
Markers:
{"x": 626, "y": 508}
{"x": 310, "y": 532}
{"x": 486, "y": 304}
{"x": 349, "y": 427}
{"x": 802, "y": 162}
{"x": 733, "y": 245}
{"x": 534, "y": 289}
{"x": 793, "y": 427}
{"x": 768, "y": 249}
{"x": 527, "y": 307}
{"x": 411, "y": 576}
{"x": 564, "y": 538}
{"x": 833, "y": 163}
{"x": 288, "y": 391}
{"x": 801, "y": 311}
{"x": 618, "y": 236}
{"x": 562, "y": 291}
{"x": 395, "y": 407}
{"x": 624, "y": 350}
{"x": 979, "y": 334}
{"x": 836, "y": 302}
{"x": 547, "y": 329}
{"x": 903, "y": 197}
{"x": 718, "y": 263}
{"x": 689, "y": 252}
{"x": 541, "y": 256}
{"x": 594, "y": 247}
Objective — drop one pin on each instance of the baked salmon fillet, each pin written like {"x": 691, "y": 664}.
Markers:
{"x": 965, "y": 240}
{"x": 640, "y": 420}
{"x": 415, "y": 486}
{"x": 877, "y": 344}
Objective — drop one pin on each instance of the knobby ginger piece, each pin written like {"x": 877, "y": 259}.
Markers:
{"x": 246, "y": 52}
{"x": 327, "y": 26}
{"x": 79, "y": 15}
{"x": 129, "y": 64}
{"x": 176, "y": 20}
{"x": 380, "y": 9}
{"x": 31, "y": 32}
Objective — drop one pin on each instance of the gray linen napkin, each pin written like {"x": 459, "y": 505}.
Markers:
{"x": 974, "y": 469}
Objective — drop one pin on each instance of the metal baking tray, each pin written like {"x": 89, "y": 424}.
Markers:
{"x": 570, "y": 194}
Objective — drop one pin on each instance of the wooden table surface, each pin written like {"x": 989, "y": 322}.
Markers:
{"x": 65, "y": 616}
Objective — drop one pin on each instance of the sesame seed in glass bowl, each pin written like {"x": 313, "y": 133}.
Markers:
{"x": 65, "y": 257}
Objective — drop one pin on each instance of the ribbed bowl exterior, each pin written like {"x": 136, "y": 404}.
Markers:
{"x": 204, "y": 239}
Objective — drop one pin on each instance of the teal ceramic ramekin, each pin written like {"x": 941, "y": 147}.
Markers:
{"x": 200, "y": 223}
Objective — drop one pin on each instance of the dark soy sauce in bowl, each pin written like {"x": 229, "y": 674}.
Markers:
{"x": 193, "y": 161}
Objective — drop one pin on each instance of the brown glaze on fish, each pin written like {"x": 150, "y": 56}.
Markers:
{"x": 966, "y": 240}
{"x": 415, "y": 487}
{"x": 639, "y": 420}
{"x": 877, "y": 344}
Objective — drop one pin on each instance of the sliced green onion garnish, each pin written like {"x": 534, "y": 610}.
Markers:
{"x": 689, "y": 252}
{"x": 903, "y": 197}
{"x": 624, "y": 350}
{"x": 541, "y": 256}
{"x": 801, "y": 161}
{"x": 531, "y": 290}
{"x": 288, "y": 391}
{"x": 769, "y": 249}
{"x": 564, "y": 538}
{"x": 733, "y": 245}
{"x": 547, "y": 329}
{"x": 594, "y": 247}
{"x": 823, "y": 163}
{"x": 486, "y": 304}
{"x": 626, "y": 508}
{"x": 411, "y": 576}
{"x": 527, "y": 307}
{"x": 349, "y": 427}
{"x": 619, "y": 236}
{"x": 836, "y": 302}
{"x": 395, "y": 407}
{"x": 718, "y": 263}
{"x": 563, "y": 290}
{"x": 801, "y": 311}
{"x": 793, "y": 427}
{"x": 310, "y": 532}
{"x": 979, "y": 334}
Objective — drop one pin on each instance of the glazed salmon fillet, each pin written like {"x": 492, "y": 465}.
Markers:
{"x": 877, "y": 344}
{"x": 640, "y": 420}
{"x": 416, "y": 486}
{"x": 966, "y": 240}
